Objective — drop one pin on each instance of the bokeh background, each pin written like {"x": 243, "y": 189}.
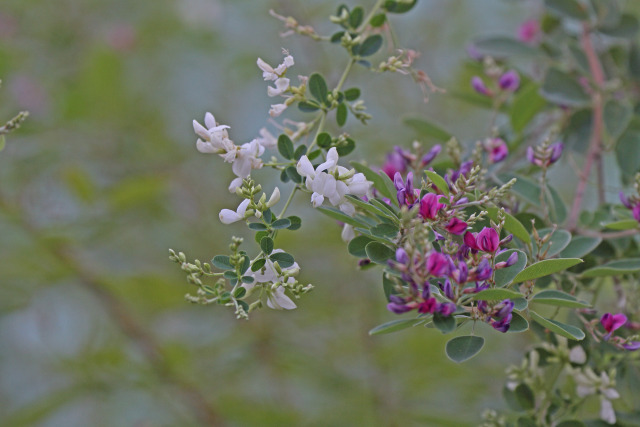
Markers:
{"x": 104, "y": 177}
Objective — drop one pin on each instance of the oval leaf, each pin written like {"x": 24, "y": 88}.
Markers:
{"x": 378, "y": 252}
{"x": 285, "y": 147}
{"x": 505, "y": 276}
{"x": 284, "y": 259}
{"x": 559, "y": 299}
{"x": 511, "y": 224}
{"x": 395, "y": 325}
{"x": 427, "y": 129}
{"x": 559, "y": 328}
{"x": 625, "y": 224}
{"x": 545, "y": 268}
{"x": 464, "y": 348}
{"x": 613, "y": 268}
{"x": 580, "y": 246}
{"x": 371, "y": 45}
{"x": 318, "y": 87}
{"x": 563, "y": 89}
{"x": 438, "y": 181}
{"x": 518, "y": 323}
{"x": 496, "y": 295}
{"x": 266, "y": 244}
{"x": 357, "y": 246}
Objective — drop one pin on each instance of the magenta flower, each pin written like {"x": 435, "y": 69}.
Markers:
{"x": 446, "y": 309}
{"x": 488, "y": 240}
{"x": 497, "y": 149}
{"x": 397, "y": 161}
{"x": 470, "y": 240}
{"x": 484, "y": 270}
{"x": 528, "y": 31}
{"x": 406, "y": 193}
{"x": 513, "y": 258}
{"x": 429, "y": 305}
{"x": 632, "y": 345}
{"x": 611, "y": 322}
{"x": 632, "y": 204}
{"x": 456, "y": 226}
{"x": 478, "y": 85}
{"x": 437, "y": 264}
{"x": 509, "y": 81}
{"x": 430, "y": 206}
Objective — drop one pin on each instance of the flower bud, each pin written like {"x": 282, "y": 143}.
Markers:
{"x": 488, "y": 240}
{"x": 478, "y": 85}
{"x": 275, "y": 197}
{"x": 509, "y": 81}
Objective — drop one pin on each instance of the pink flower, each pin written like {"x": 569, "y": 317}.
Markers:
{"x": 478, "y": 85}
{"x": 611, "y": 322}
{"x": 430, "y": 205}
{"x": 497, "y": 149}
{"x": 509, "y": 81}
{"x": 456, "y": 226}
{"x": 437, "y": 264}
{"x": 529, "y": 31}
{"x": 470, "y": 240}
{"x": 488, "y": 240}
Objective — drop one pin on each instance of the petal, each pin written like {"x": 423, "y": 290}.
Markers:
{"x": 236, "y": 183}
{"x": 209, "y": 120}
{"x": 227, "y": 216}
{"x": 304, "y": 167}
{"x": 201, "y": 131}
{"x": 317, "y": 199}
{"x": 205, "y": 147}
{"x": 607, "y": 414}
{"x": 242, "y": 208}
{"x": 278, "y": 300}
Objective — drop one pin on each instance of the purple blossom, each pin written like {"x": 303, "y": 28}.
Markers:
{"x": 488, "y": 240}
{"x": 529, "y": 31}
{"x": 632, "y": 204}
{"x": 478, "y": 85}
{"x": 497, "y": 149}
{"x": 428, "y": 158}
{"x": 397, "y": 161}
{"x": 456, "y": 226}
{"x": 611, "y": 322}
{"x": 509, "y": 81}
{"x": 401, "y": 256}
{"x": 406, "y": 193}
{"x": 437, "y": 264}
{"x": 547, "y": 157}
{"x": 484, "y": 270}
{"x": 632, "y": 345}
{"x": 513, "y": 258}
{"x": 446, "y": 308}
{"x": 429, "y": 305}
{"x": 502, "y": 325}
{"x": 447, "y": 289}
{"x": 453, "y": 175}
{"x": 430, "y": 205}
{"x": 399, "y": 308}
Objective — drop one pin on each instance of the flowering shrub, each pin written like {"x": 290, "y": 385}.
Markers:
{"x": 464, "y": 236}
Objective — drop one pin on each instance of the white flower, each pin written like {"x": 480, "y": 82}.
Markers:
{"x": 277, "y": 109}
{"x": 282, "y": 84}
{"x": 266, "y": 139}
{"x": 276, "y": 299}
{"x": 275, "y": 197}
{"x": 269, "y": 73}
{"x": 347, "y": 233}
{"x": 247, "y": 158}
{"x": 235, "y": 184}
{"x": 590, "y": 383}
{"x": 215, "y": 139}
{"x": 227, "y": 216}
{"x": 332, "y": 182}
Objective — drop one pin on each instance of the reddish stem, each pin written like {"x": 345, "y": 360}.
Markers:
{"x": 594, "y": 145}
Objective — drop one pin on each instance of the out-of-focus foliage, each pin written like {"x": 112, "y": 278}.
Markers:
{"x": 104, "y": 177}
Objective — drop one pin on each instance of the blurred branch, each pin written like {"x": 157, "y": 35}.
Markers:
{"x": 14, "y": 123}
{"x": 120, "y": 315}
{"x": 593, "y": 155}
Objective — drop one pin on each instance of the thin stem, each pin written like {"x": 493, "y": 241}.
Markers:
{"x": 594, "y": 146}
{"x": 286, "y": 205}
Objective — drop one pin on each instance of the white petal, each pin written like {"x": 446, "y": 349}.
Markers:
{"x": 266, "y": 68}
{"x": 267, "y": 139}
{"x": 332, "y": 155}
{"x": 201, "y": 131}
{"x": 347, "y": 233}
{"x": 282, "y": 85}
{"x": 610, "y": 393}
{"x": 577, "y": 355}
{"x": 317, "y": 199}
{"x": 205, "y": 147}
{"x": 209, "y": 120}
{"x": 236, "y": 183}
{"x": 227, "y": 216}
{"x": 348, "y": 208}
{"x": 278, "y": 300}
{"x": 275, "y": 197}
{"x": 242, "y": 208}
{"x": 607, "y": 414}
{"x": 242, "y": 166}
{"x": 304, "y": 167}
{"x": 277, "y": 109}
{"x": 288, "y": 61}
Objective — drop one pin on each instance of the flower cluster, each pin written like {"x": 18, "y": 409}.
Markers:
{"x": 281, "y": 83}
{"x": 506, "y": 82}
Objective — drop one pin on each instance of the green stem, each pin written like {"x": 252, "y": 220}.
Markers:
{"x": 286, "y": 205}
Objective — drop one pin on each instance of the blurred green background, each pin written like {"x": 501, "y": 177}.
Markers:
{"x": 104, "y": 177}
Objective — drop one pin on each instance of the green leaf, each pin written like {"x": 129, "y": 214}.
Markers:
{"x": 370, "y": 46}
{"x": 438, "y": 181}
{"x": 340, "y": 216}
{"x": 628, "y": 152}
{"x": 284, "y": 259}
{"x": 625, "y": 224}
{"x": 308, "y": 106}
{"x": 558, "y": 208}
{"x": 580, "y": 246}
{"x": 300, "y": 151}
{"x": 266, "y": 244}
{"x": 372, "y": 176}
{"x": 562, "y": 89}
{"x": 511, "y": 224}
{"x": 444, "y": 324}
{"x": 378, "y": 252}
{"x": 356, "y": 246}
{"x": 258, "y": 264}
{"x": 427, "y": 129}
{"x": 520, "y": 304}
{"x": 280, "y": 223}
{"x": 627, "y": 27}
{"x": 505, "y": 276}
{"x": 460, "y": 349}
{"x": 222, "y": 262}
{"x": 295, "y": 221}
{"x": 501, "y": 46}
{"x": 391, "y": 188}
{"x": 346, "y": 148}
{"x": 399, "y": 6}
{"x": 241, "y": 290}
{"x": 352, "y": 94}
{"x": 518, "y": 323}
{"x": 613, "y": 268}
{"x": 259, "y": 235}
{"x": 567, "y": 331}
{"x": 318, "y": 87}
{"x": 545, "y": 268}
{"x": 356, "y": 16}
{"x": 368, "y": 207}
{"x": 229, "y": 274}
{"x": 395, "y": 325}
{"x": 571, "y": 423}
{"x": 525, "y": 105}
{"x": 496, "y": 294}
{"x": 293, "y": 174}
{"x": 530, "y": 191}
{"x": 323, "y": 140}
{"x": 257, "y": 226}
{"x": 559, "y": 299}
{"x": 617, "y": 117}
{"x": 341, "y": 114}
{"x": 525, "y": 397}
{"x": 285, "y": 147}
{"x": 378, "y": 20}
{"x": 567, "y": 9}
{"x": 385, "y": 230}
